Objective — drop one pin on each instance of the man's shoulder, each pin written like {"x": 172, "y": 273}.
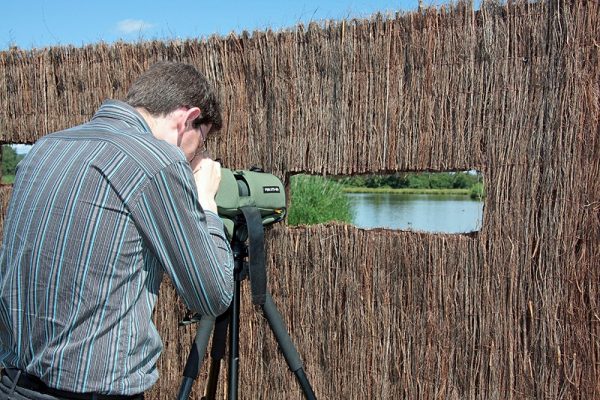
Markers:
{"x": 126, "y": 158}
{"x": 150, "y": 153}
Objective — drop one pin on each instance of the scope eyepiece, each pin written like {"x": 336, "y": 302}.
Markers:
{"x": 243, "y": 188}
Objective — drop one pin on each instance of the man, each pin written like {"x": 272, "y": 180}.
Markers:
{"x": 97, "y": 213}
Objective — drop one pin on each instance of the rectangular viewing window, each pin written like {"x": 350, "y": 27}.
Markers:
{"x": 443, "y": 202}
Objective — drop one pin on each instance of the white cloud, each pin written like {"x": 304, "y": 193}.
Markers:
{"x": 133, "y": 25}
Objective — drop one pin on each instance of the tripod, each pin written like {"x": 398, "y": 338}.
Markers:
{"x": 255, "y": 270}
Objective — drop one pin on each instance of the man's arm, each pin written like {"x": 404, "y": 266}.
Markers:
{"x": 188, "y": 241}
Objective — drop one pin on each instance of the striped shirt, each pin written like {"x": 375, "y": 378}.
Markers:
{"x": 97, "y": 213}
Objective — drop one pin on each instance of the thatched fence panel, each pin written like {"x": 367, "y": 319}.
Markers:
{"x": 513, "y": 91}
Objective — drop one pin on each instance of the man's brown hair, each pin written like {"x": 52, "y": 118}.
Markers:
{"x": 166, "y": 86}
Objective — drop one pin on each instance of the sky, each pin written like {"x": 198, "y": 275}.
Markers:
{"x": 30, "y": 24}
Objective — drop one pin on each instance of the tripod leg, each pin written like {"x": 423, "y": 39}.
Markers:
{"x": 192, "y": 365}
{"x": 216, "y": 354}
{"x": 234, "y": 341}
{"x": 287, "y": 347}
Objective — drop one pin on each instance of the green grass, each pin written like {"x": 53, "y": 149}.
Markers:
{"x": 464, "y": 192}
{"x": 316, "y": 200}
{"x": 477, "y": 192}
{"x": 8, "y": 179}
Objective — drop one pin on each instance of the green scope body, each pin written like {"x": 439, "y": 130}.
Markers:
{"x": 245, "y": 188}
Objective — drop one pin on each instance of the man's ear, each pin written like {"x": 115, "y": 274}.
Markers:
{"x": 183, "y": 118}
{"x": 192, "y": 114}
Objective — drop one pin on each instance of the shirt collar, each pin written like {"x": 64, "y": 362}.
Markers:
{"x": 122, "y": 111}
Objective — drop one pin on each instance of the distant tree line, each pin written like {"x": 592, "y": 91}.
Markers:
{"x": 423, "y": 180}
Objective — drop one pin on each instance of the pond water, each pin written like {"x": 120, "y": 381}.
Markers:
{"x": 419, "y": 212}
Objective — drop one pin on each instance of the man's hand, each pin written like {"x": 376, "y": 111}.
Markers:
{"x": 207, "y": 174}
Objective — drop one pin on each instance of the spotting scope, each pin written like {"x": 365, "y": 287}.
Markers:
{"x": 245, "y": 188}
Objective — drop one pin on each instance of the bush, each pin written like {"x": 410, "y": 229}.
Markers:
{"x": 10, "y": 159}
{"x": 316, "y": 200}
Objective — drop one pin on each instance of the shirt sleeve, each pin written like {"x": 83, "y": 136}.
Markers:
{"x": 189, "y": 242}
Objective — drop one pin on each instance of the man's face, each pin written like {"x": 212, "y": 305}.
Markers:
{"x": 193, "y": 141}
